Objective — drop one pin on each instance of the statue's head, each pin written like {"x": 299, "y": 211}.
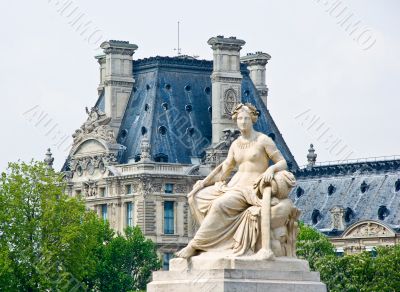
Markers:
{"x": 245, "y": 114}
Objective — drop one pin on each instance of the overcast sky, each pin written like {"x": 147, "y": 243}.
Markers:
{"x": 325, "y": 84}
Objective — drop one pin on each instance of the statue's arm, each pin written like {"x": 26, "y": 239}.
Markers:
{"x": 229, "y": 163}
{"x": 226, "y": 168}
{"x": 275, "y": 155}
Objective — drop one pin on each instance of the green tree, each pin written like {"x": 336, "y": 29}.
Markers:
{"x": 126, "y": 262}
{"x": 362, "y": 271}
{"x": 312, "y": 245}
{"x": 49, "y": 241}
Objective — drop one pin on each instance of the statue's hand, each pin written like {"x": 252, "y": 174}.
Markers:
{"x": 268, "y": 175}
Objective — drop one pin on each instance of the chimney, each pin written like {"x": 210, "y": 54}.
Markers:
{"x": 337, "y": 218}
{"x": 256, "y": 65}
{"x": 117, "y": 79}
{"x": 226, "y": 82}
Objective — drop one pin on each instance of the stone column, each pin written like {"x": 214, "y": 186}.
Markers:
{"x": 256, "y": 65}
{"x": 118, "y": 79}
{"x": 226, "y": 82}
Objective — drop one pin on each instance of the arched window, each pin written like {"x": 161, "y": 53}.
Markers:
{"x": 364, "y": 187}
{"x": 299, "y": 192}
{"x": 348, "y": 214}
{"x": 397, "y": 185}
{"x": 383, "y": 212}
{"x": 331, "y": 189}
{"x": 315, "y": 216}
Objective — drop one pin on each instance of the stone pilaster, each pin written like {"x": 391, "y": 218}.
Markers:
{"x": 256, "y": 65}
{"x": 226, "y": 82}
{"x": 118, "y": 79}
{"x": 101, "y": 59}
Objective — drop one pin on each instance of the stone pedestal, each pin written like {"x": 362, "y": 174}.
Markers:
{"x": 211, "y": 273}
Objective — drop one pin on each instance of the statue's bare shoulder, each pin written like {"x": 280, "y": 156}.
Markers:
{"x": 270, "y": 147}
{"x": 265, "y": 140}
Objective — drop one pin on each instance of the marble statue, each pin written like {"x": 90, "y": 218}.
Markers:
{"x": 251, "y": 214}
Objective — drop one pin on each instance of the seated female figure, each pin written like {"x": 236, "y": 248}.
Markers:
{"x": 229, "y": 214}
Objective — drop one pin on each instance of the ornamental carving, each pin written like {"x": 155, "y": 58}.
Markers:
{"x": 91, "y": 163}
{"x": 369, "y": 229}
{"x": 179, "y": 188}
{"x": 226, "y": 140}
{"x": 90, "y": 188}
{"x": 230, "y": 101}
{"x": 96, "y": 126}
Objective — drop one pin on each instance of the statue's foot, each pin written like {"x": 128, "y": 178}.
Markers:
{"x": 265, "y": 254}
{"x": 186, "y": 252}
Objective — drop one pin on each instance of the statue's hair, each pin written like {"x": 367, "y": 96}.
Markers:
{"x": 249, "y": 108}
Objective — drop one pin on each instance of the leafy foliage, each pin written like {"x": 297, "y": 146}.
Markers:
{"x": 48, "y": 241}
{"x": 126, "y": 263}
{"x": 362, "y": 272}
{"x": 312, "y": 245}
{"x": 356, "y": 272}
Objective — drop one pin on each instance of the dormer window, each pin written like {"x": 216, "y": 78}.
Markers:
{"x": 383, "y": 212}
{"x": 331, "y": 189}
{"x": 364, "y": 187}
{"x": 348, "y": 214}
{"x": 161, "y": 157}
{"x": 299, "y": 192}
{"x": 397, "y": 185}
{"x": 315, "y": 216}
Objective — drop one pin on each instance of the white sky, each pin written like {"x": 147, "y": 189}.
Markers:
{"x": 315, "y": 67}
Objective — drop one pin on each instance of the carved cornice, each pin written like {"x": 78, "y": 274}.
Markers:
{"x": 216, "y": 78}
{"x": 258, "y": 58}
{"x": 118, "y": 47}
{"x": 349, "y": 169}
{"x": 128, "y": 84}
{"x": 222, "y": 43}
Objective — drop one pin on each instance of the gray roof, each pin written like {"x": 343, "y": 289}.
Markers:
{"x": 171, "y": 104}
{"x": 366, "y": 190}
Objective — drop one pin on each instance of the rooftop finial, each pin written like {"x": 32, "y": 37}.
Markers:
{"x": 145, "y": 149}
{"x": 49, "y": 159}
{"x": 178, "y": 49}
{"x": 311, "y": 157}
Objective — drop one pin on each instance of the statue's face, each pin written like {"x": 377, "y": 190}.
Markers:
{"x": 244, "y": 121}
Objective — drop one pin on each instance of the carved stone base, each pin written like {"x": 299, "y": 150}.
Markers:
{"x": 200, "y": 274}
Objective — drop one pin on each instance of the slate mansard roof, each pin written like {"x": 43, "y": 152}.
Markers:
{"x": 171, "y": 104}
{"x": 366, "y": 190}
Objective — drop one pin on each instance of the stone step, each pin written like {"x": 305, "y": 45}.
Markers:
{"x": 232, "y": 274}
